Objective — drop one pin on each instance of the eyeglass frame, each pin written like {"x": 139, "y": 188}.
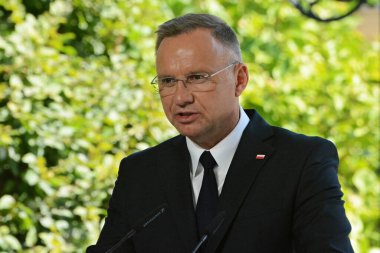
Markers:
{"x": 155, "y": 80}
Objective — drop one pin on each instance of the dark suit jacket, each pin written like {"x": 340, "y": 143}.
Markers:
{"x": 290, "y": 201}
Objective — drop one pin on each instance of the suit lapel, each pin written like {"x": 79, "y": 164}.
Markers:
{"x": 242, "y": 172}
{"x": 173, "y": 164}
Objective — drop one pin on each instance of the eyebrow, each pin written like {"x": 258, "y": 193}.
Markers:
{"x": 196, "y": 72}
{"x": 190, "y": 73}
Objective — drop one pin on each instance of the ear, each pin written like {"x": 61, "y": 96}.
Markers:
{"x": 242, "y": 78}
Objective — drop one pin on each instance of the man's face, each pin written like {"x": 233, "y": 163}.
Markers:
{"x": 206, "y": 117}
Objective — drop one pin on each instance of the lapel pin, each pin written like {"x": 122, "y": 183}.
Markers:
{"x": 260, "y": 157}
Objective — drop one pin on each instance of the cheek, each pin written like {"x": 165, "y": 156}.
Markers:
{"x": 224, "y": 102}
{"x": 212, "y": 105}
{"x": 166, "y": 106}
{"x": 225, "y": 94}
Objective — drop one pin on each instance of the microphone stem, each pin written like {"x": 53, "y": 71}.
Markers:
{"x": 203, "y": 239}
{"x": 127, "y": 236}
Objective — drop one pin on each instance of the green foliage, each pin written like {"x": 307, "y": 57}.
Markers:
{"x": 75, "y": 99}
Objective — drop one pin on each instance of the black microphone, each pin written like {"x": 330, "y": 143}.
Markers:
{"x": 210, "y": 229}
{"x": 140, "y": 225}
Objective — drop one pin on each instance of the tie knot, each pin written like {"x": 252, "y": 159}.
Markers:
{"x": 207, "y": 160}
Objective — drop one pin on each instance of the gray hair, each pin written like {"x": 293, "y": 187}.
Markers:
{"x": 189, "y": 22}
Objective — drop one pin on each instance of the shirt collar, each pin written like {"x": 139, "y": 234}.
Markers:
{"x": 222, "y": 152}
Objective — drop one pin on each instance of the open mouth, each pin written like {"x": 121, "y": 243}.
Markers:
{"x": 186, "y": 117}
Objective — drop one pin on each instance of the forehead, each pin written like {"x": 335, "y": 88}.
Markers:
{"x": 197, "y": 47}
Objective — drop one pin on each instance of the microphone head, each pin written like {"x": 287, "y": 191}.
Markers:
{"x": 211, "y": 229}
{"x": 151, "y": 217}
{"x": 140, "y": 225}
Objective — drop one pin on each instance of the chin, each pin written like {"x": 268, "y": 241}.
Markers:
{"x": 187, "y": 132}
{"x": 193, "y": 131}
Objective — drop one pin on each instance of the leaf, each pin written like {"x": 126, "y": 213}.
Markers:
{"x": 7, "y": 202}
{"x": 11, "y": 242}
{"x": 31, "y": 237}
{"x": 31, "y": 177}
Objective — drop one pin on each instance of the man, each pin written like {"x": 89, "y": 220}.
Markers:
{"x": 272, "y": 190}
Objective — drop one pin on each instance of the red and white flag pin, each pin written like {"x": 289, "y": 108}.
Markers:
{"x": 260, "y": 157}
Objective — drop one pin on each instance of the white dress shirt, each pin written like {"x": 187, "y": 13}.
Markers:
{"x": 223, "y": 152}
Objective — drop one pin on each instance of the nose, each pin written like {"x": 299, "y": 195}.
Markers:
{"x": 183, "y": 96}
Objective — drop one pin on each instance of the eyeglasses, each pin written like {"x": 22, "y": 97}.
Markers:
{"x": 195, "y": 82}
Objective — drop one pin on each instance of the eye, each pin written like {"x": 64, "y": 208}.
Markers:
{"x": 167, "y": 81}
{"x": 196, "y": 78}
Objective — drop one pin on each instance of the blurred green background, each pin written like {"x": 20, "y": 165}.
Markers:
{"x": 75, "y": 99}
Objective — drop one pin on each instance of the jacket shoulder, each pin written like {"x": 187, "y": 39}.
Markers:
{"x": 150, "y": 154}
{"x": 286, "y": 137}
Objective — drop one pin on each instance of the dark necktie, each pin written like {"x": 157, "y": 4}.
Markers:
{"x": 208, "y": 196}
